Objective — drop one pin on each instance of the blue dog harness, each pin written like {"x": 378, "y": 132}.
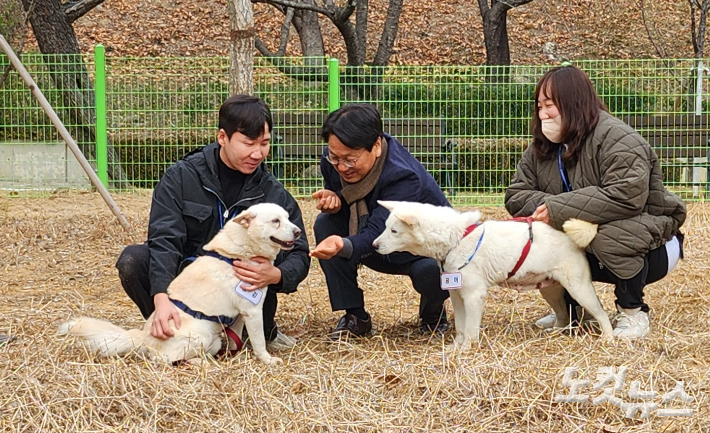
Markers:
{"x": 222, "y": 320}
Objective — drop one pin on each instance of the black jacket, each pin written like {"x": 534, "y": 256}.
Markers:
{"x": 185, "y": 215}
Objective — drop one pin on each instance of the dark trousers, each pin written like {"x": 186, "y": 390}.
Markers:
{"x": 132, "y": 267}
{"x": 629, "y": 292}
{"x": 341, "y": 273}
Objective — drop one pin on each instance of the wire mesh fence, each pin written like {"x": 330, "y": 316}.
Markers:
{"x": 467, "y": 124}
{"x": 33, "y": 156}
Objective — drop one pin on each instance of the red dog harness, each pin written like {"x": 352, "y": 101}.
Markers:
{"x": 526, "y": 248}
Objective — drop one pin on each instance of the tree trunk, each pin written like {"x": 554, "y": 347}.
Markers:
{"x": 495, "y": 35}
{"x": 309, "y": 32}
{"x": 55, "y": 35}
{"x": 389, "y": 33}
{"x": 241, "y": 50}
{"x": 698, "y": 26}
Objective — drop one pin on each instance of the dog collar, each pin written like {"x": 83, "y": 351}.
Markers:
{"x": 219, "y": 256}
{"x": 222, "y": 320}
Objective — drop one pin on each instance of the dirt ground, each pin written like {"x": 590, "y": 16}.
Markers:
{"x": 57, "y": 258}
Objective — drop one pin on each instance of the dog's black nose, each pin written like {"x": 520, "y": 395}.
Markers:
{"x": 297, "y": 232}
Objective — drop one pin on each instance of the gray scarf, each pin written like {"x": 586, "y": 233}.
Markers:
{"x": 354, "y": 193}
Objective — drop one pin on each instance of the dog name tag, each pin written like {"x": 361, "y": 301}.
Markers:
{"x": 253, "y": 296}
{"x": 451, "y": 280}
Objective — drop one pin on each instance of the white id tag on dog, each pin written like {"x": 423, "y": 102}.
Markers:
{"x": 451, "y": 280}
{"x": 253, "y": 296}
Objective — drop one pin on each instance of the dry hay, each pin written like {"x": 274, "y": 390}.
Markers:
{"x": 58, "y": 258}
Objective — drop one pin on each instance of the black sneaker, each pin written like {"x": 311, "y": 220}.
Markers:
{"x": 351, "y": 325}
{"x": 440, "y": 328}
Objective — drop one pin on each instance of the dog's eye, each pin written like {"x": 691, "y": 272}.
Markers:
{"x": 393, "y": 230}
{"x": 276, "y": 222}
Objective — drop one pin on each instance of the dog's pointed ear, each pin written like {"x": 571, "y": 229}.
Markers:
{"x": 245, "y": 218}
{"x": 387, "y": 204}
{"x": 408, "y": 218}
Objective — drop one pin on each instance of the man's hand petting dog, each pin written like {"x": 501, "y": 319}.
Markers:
{"x": 328, "y": 201}
{"x": 328, "y": 248}
{"x": 257, "y": 276}
{"x": 164, "y": 311}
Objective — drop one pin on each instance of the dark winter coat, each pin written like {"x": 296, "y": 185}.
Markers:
{"x": 187, "y": 211}
{"x": 616, "y": 183}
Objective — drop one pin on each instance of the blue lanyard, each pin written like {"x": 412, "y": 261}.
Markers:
{"x": 474, "y": 251}
{"x": 565, "y": 181}
{"x": 222, "y": 217}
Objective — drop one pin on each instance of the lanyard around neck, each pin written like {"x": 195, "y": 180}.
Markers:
{"x": 563, "y": 174}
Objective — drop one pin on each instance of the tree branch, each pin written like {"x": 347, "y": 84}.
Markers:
{"x": 361, "y": 28}
{"x": 389, "y": 33}
{"x": 78, "y": 8}
{"x": 329, "y": 12}
{"x": 504, "y": 5}
{"x": 659, "y": 50}
{"x": 285, "y": 27}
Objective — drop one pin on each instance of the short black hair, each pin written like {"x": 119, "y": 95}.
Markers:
{"x": 358, "y": 126}
{"x": 246, "y": 114}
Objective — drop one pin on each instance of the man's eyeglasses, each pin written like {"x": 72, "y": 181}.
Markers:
{"x": 347, "y": 162}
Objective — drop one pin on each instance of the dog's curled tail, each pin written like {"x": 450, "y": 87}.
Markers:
{"x": 581, "y": 232}
{"x": 102, "y": 337}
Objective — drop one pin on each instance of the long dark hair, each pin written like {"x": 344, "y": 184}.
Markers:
{"x": 573, "y": 94}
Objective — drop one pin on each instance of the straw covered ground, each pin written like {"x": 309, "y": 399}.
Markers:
{"x": 57, "y": 258}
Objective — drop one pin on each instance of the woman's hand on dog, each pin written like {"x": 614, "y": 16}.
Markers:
{"x": 328, "y": 248}
{"x": 164, "y": 311}
{"x": 328, "y": 201}
{"x": 257, "y": 276}
{"x": 541, "y": 214}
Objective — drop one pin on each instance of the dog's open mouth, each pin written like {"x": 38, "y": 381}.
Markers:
{"x": 285, "y": 245}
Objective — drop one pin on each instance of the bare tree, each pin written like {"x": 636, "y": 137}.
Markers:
{"x": 52, "y": 26}
{"x": 13, "y": 26}
{"x": 303, "y": 15}
{"x": 698, "y": 25}
{"x": 495, "y": 33}
{"x": 241, "y": 49}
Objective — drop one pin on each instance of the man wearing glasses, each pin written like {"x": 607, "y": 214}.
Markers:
{"x": 361, "y": 165}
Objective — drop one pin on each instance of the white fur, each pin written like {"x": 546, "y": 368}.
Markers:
{"x": 207, "y": 286}
{"x": 555, "y": 262}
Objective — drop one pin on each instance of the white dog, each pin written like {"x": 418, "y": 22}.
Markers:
{"x": 208, "y": 287}
{"x": 475, "y": 256}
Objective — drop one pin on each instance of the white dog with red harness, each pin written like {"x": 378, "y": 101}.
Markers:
{"x": 208, "y": 295}
{"x": 521, "y": 254}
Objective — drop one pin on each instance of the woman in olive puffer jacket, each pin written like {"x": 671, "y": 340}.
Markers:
{"x": 584, "y": 163}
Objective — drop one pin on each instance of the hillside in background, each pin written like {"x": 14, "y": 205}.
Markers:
{"x": 430, "y": 32}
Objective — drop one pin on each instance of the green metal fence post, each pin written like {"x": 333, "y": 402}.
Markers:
{"x": 101, "y": 133}
{"x": 333, "y": 85}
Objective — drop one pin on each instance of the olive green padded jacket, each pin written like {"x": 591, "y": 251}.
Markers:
{"x": 616, "y": 183}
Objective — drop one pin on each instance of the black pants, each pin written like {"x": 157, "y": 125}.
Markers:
{"x": 132, "y": 267}
{"x": 341, "y": 273}
{"x": 629, "y": 292}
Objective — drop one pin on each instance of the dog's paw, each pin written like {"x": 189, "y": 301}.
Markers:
{"x": 463, "y": 346}
{"x": 274, "y": 360}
